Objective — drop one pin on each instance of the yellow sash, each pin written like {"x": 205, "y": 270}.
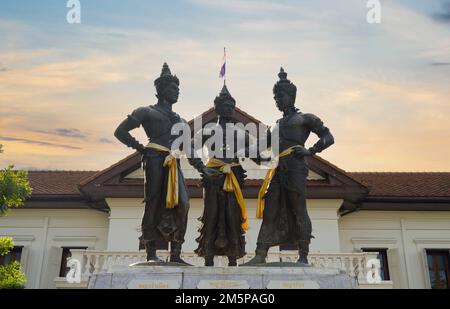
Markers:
{"x": 267, "y": 180}
{"x": 172, "y": 183}
{"x": 231, "y": 184}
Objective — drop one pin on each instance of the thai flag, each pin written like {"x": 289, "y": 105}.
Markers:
{"x": 223, "y": 70}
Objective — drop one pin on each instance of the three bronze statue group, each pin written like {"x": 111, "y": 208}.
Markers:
{"x": 282, "y": 199}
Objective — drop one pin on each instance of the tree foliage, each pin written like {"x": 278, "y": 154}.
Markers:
{"x": 12, "y": 276}
{"x": 14, "y": 190}
{"x": 6, "y": 245}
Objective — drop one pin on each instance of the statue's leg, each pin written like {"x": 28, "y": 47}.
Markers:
{"x": 303, "y": 251}
{"x": 175, "y": 253}
{"x": 152, "y": 212}
{"x": 209, "y": 261}
{"x": 150, "y": 248}
{"x": 232, "y": 261}
{"x": 260, "y": 255}
{"x": 303, "y": 223}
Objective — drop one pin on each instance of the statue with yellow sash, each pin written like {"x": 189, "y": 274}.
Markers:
{"x": 282, "y": 198}
{"x": 224, "y": 219}
{"x": 166, "y": 196}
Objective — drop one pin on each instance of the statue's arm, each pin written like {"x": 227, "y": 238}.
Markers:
{"x": 196, "y": 144}
{"x": 122, "y": 132}
{"x": 326, "y": 139}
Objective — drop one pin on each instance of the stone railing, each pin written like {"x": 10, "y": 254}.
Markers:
{"x": 94, "y": 262}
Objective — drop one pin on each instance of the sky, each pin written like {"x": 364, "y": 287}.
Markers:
{"x": 382, "y": 89}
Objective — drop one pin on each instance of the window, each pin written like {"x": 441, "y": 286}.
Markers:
{"x": 438, "y": 268}
{"x": 66, "y": 255}
{"x": 382, "y": 256}
{"x": 14, "y": 255}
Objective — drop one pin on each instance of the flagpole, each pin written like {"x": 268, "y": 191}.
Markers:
{"x": 225, "y": 56}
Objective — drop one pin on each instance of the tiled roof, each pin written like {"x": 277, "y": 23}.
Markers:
{"x": 380, "y": 184}
{"x": 405, "y": 184}
{"x": 56, "y": 182}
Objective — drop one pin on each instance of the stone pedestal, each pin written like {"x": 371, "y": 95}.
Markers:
{"x": 225, "y": 278}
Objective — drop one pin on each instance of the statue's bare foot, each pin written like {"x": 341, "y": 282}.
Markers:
{"x": 209, "y": 261}
{"x": 303, "y": 261}
{"x": 179, "y": 260}
{"x": 232, "y": 262}
{"x": 257, "y": 260}
{"x": 154, "y": 259}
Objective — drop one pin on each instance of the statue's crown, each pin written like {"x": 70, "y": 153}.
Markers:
{"x": 166, "y": 77}
{"x": 223, "y": 96}
{"x": 284, "y": 84}
{"x": 283, "y": 76}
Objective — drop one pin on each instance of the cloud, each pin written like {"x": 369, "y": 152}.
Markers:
{"x": 345, "y": 72}
{"x": 74, "y": 133}
{"x": 3, "y": 68}
{"x": 70, "y": 133}
{"x": 40, "y": 143}
{"x": 437, "y": 64}
{"x": 105, "y": 141}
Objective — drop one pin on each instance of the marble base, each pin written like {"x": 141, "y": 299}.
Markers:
{"x": 185, "y": 277}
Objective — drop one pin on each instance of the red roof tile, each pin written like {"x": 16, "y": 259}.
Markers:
{"x": 56, "y": 183}
{"x": 405, "y": 184}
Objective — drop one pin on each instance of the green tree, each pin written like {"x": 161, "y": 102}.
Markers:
{"x": 14, "y": 190}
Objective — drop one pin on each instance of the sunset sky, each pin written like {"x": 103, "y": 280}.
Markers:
{"x": 382, "y": 89}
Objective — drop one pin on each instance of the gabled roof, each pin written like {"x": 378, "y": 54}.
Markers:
{"x": 112, "y": 182}
{"x": 380, "y": 185}
{"x": 405, "y": 185}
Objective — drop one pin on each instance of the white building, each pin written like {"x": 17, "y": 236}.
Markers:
{"x": 403, "y": 218}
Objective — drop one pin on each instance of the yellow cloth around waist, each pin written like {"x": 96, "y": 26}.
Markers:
{"x": 267, "y": 180}
{"x": 172, "y": 183}
{"x": 231, "y": 184}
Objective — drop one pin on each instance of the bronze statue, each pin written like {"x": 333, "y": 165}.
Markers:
{"x": 224, "y": 219}
{"x": 166, "y": 196}
{"x": 282, "y": 199}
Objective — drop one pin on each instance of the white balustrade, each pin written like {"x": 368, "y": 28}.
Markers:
{"x": 93, "y": 262}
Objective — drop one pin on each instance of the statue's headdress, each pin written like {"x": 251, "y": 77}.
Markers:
{"x": 165, "y": 79}
{"x": 224, "y": 96}
{"x": 285, "y": 85}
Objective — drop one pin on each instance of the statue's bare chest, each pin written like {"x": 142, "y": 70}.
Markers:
{"x": 294, "y": 128}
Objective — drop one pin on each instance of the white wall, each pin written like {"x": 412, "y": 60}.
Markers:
{"x": 44, "y": 232}
{"x": 406, "y": 235}
{"x": 126, "y": 214}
